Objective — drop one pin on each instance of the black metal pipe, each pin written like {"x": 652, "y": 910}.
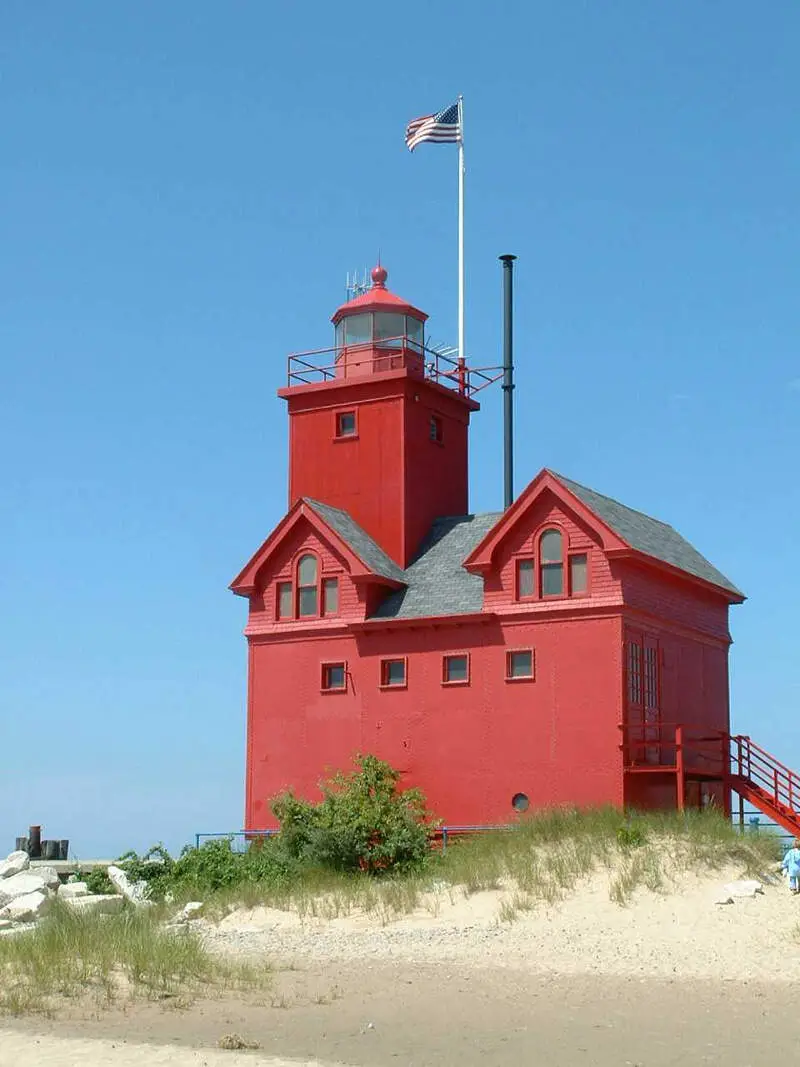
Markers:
{"x": 508, "y": 379}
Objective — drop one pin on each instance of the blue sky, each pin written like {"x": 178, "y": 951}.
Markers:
{"x": 183, "y": 188}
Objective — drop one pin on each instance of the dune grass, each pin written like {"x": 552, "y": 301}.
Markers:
{"x": 109, "y": 959}
{"x": 541, "y": 859}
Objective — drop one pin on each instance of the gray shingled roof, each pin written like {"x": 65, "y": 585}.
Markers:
{"x": 367, "y": 550}
{"x": 648, "y": 535}
{"x": 436, "y": 583}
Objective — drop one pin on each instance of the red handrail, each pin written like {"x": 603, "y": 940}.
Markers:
{"x": 759, "y": 767}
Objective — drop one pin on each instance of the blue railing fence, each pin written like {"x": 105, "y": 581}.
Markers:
{"x": 755, "y": 822}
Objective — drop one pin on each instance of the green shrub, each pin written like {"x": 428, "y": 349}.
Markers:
{"x": 363, "y": 823}
{"x": 631, "y": 836}
{"x": 97, "y": 881}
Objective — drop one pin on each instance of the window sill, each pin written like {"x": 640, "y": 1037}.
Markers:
{"x": 521, "y": 678}
{"x": 397, "y": 685}
{"x": 329, "y": 692}
{"x": 341, "y": 439}
{"x": 451, "y": 685}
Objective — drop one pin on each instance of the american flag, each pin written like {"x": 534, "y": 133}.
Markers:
{"x": 444, "y": 126}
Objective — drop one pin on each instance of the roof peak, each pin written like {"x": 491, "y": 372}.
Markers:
{"x": 378, "y": 297}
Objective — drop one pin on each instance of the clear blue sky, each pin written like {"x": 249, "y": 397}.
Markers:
{"x": 183, "y": 188}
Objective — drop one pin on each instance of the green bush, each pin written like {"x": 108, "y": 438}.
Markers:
{"x": 97, "y": 881}
{"x": 631, "y": 836}
{"x": 363, "y": 823}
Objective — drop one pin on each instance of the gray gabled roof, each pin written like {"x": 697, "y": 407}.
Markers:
{"x": 367, "y": 550}
{"x": 650, "y": 536}
{"x": 436, "y": 583}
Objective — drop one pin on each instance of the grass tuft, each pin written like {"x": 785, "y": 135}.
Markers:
{"x": 110, "y": 958}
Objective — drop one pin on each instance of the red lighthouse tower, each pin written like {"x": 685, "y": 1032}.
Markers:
{"x": 372, "y": 433}
{"x": 568, "y": 650}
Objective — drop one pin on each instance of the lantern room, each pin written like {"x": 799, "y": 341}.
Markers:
{"x": 378, "y": 332}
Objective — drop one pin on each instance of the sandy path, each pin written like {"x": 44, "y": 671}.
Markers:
{"x": 20, "y": 1050}
{"x": 438, "y": 1016}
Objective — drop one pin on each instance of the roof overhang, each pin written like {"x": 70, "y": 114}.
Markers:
{"x": 480, "y": 560}
{"x": 244, "y": 584}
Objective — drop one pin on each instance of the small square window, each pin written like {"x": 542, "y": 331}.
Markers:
{"x": 393, "y": 672}
{"x": 346, "y": 424}
{"x": 330, "y": 596}
{"x": 519, "y": 663}
{"x": 334, "y": 676}
{"x": 284, "y": 600}
{"x": 435, "y": 431}
{"x": 578, "y": 573}
{"x": 456, "y": 669}
{"x": 525, "y": 574}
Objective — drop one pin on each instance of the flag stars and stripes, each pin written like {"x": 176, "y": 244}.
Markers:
{"x": 441, "y": 128}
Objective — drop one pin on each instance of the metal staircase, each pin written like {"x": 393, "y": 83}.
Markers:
{"x": 695, "y": 755}
{"x": 765, "y": 782}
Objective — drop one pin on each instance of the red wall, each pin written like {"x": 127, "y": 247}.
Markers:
{"x": 470, "y": 748}
{"x": 691, "y": 627}
{"x": 391, "y": 478}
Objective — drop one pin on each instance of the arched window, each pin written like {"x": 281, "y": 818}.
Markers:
{"x": 309, "y": 596}
{"x": 551, "y": 563}
{"x": 307, "y": 587}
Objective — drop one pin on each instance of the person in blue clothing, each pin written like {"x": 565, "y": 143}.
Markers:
{"x": 791, "y": 864}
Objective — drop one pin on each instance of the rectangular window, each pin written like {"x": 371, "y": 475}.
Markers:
{"x": 455, "y": 669}
{"x": 519, "y": 664}
{"x": 435, "y": 431}
{"x": 525, "y": 578}
{"x": 651, "y": 701}
{"x": 284, "y": 600}
{"x": 552, "y": 579}
{"x": 393, "y": 672}
{"x": 330, "y": 596}
{"x": 634, "y": 673}
{"x": 346, "y": 424}
{"x": 307, "y": 601}
{"x": 578, "y": 573}
{"x": 334, "y": 676}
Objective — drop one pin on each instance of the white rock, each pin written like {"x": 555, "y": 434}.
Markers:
{"x": 73, "y": 890}
{"x": 135, "y": 892}
{"x": 747, "y": 888}
{"x": 19, "y": 885}
{"x": 104, "y": 903}
{"x": 5, "y": 924}
{"x": 26, "y": 908}
{"x": 15, "y": 863}
{"x": 191, "y": 910}
{"x": 49, "y": 876}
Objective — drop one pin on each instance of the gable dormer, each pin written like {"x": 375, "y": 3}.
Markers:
{"x": 316, "y": 569}
{"x": 547, "y": 552}
{"x": 561, "y": 543}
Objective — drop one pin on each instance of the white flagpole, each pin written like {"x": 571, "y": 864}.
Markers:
{"x": 461, "y": 351}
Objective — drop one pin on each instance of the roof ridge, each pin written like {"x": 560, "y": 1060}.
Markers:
{"x": 588, "y": 489}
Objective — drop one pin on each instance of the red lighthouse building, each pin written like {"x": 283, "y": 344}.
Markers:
{"x": 568, "y": 650}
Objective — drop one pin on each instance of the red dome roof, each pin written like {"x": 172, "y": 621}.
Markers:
{"x": 378, "y": 298}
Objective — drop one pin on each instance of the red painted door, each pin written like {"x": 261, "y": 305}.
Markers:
{"x": 643, "y": 697}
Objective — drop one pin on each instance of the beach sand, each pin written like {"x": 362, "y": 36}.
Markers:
{"x": 670, "y": 979}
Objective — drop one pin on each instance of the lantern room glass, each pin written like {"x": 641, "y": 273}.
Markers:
{"x": 390, "y": 329}
{"x": 358, "y": 329}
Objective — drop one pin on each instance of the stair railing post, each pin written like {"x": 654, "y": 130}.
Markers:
{"x": 679, "y": 768}
{"x": 776, "y": 786}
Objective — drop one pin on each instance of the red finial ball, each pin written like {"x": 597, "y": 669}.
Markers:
{"x": 379, "y": 276}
